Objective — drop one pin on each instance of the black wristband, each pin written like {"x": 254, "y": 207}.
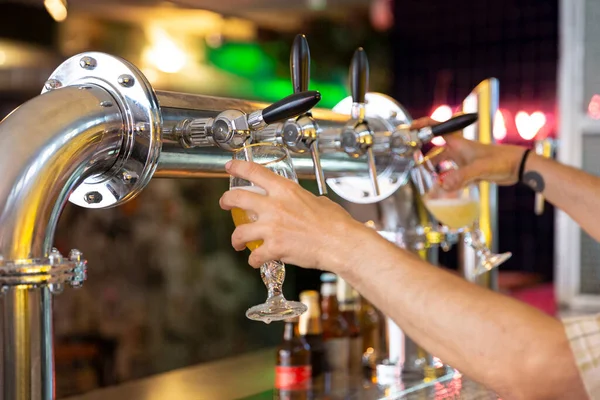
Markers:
{"x": 522, "y": 165}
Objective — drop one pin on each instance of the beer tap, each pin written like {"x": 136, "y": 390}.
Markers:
{"x": 301, "y": 135}
{"x": 357, "y": 138}
{"x": 231, "y": 129}
{"x": 404, "y": 140}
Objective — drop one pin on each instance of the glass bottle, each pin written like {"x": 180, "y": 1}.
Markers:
{"x": 348, "y": 302}
{"x": 293, "y": 370}
{"x": 370, "y": 326}
{"x": 311, "y": 329}
{"x": 336, "y": 336}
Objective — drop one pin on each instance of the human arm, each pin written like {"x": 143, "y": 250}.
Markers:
{"x": 506, "y": 345}
{"x": 570, "y": 189}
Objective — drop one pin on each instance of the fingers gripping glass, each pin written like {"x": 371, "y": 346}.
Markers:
{"x": 277, "y": 159}
{"x": 458, "y": 210}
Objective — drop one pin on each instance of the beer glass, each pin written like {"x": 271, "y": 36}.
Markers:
{"x": 458, "y": 210}
{"x": 277, "y": 159}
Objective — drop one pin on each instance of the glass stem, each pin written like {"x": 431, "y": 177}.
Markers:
{"x": 474, "y": 238}
{"x": 273, "y": 275}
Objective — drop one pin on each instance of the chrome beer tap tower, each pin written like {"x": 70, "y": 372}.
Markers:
{"x": 99, "y": 132}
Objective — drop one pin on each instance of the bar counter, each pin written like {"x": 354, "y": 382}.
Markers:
{"x": 251, "y": 376}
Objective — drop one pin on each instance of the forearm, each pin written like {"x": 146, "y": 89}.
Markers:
{"x": 513, "y": 353}
{"x": 572, "y": 190}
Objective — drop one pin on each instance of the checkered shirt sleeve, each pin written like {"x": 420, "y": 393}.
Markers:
{"x": 584, "y": 337}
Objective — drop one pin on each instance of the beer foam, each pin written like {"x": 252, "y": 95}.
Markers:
{"x": 253, "y": 189}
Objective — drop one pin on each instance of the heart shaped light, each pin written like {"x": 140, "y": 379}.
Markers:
{"x": 528, "y": 126}
{"x": 499, "y": 129}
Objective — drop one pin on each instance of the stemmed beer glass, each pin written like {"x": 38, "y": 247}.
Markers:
{"x": 277, "y": 159}
{"x": 458, "y": 210}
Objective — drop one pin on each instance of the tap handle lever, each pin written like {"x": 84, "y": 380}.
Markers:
{"x": 291, "y": 106}
{"x": 359, "y": 76}
{"x": 300, "y": 64}
{"x": 425, "y": 135}
{"x": 359, "y": 84}
{"x": 457, "y": 123}
{"x": 300, "y": 73}
{"x": 286, "y": 108}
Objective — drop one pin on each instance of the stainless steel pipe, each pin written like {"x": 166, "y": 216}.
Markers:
{"x": 209, "y": 162}
{"x": 50, "y": 145}
{"x": 203, "y": 162}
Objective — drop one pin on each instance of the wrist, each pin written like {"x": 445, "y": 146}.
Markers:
{"x": 343, "y": 253}
{"x": 522, "y": 163}
{"x": 531, "y": 175}
{"x": 518, "y": 156}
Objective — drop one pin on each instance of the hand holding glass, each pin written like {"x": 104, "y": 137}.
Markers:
{"x": 277, "y": 159}
{"x": 458, "y": 210}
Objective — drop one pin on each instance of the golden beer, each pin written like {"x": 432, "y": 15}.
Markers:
{"x": 454, "y": 213}
{"x": 241, "y": 217}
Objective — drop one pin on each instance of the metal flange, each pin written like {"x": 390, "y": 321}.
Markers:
{"x": 54, "y": 271}
{"x": 133, "y": 94}
{"x": 383, "y": 114}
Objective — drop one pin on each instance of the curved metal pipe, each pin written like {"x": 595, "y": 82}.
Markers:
{"x": 49, "y": 145}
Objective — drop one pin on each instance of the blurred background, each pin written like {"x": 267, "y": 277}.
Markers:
{"x": 165, "y": 289}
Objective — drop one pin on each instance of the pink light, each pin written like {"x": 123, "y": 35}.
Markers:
{"x": 594, "y": 107}
{"x": 528, "y": 126}
{"x": 438, "y": 141}
{"x": 499, "y": 128}
{"x": 441, "y": 114}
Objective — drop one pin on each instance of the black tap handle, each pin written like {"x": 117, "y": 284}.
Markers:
{"x": 454, "y": 124}
{"x": 291, "y": 106}
{"x": 359, "y": 76}
{"x": 300, "y": 64}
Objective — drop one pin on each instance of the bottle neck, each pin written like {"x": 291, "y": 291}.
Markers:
{"x": 330, "y": 305}
{"x": 291, "y": 331}
{"x": 310, "y": 321}
{"x": 350, "y": 305}
{"x": 346, "y": 295}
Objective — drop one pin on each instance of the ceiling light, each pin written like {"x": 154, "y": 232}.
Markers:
{"x": 57, "y": 9}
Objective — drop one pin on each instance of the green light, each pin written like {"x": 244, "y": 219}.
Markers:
{"x": 251, "y": 62}
{"x": 243, "y": 59}
{"x": 331, "y": 93}
{"x": 275, "y": 89}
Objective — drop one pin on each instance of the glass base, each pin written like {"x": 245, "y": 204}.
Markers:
{"x": 275, "y": 309}
{"x": 492, "y": 262}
